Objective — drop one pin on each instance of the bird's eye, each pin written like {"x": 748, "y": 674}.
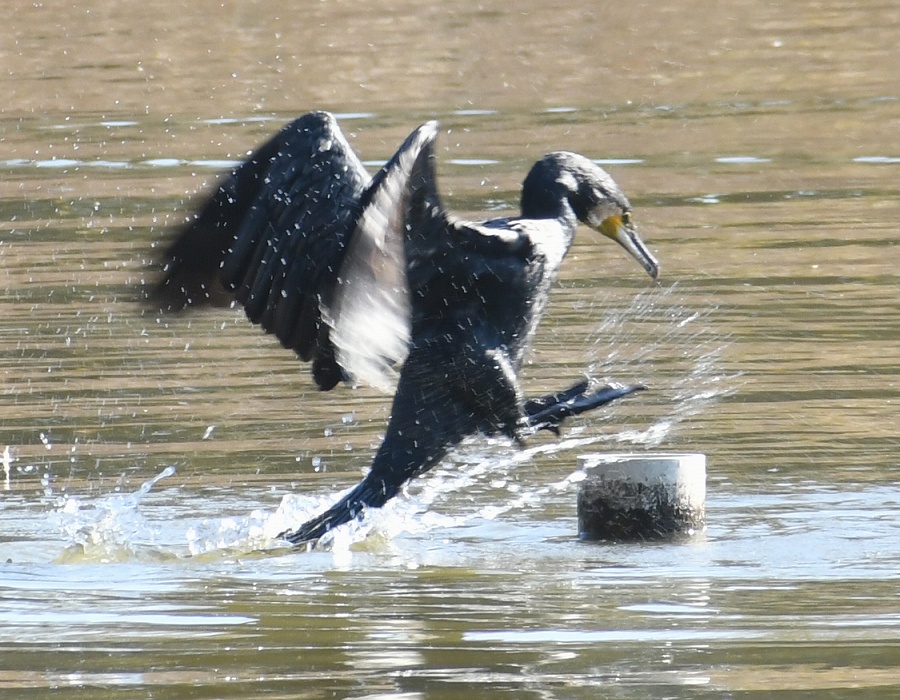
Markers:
{"x": 626, "y": 218}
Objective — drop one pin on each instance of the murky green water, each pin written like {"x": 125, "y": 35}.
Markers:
{"x": 758, "y": 145}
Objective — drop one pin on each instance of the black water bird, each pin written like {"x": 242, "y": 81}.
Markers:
{"x": 362, "y": 275}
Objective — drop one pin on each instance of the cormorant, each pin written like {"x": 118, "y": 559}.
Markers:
{"x": 359, "y": 275}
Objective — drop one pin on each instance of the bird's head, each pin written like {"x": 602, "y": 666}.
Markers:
{"x": 593, "y": 196}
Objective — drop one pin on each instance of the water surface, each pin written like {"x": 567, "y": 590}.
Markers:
{"x": 151, "y": 461}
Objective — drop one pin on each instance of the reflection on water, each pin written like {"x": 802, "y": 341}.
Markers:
{"x": 149, "y": 462}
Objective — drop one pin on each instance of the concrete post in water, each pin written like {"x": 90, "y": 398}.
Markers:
{"x": 641, "y": 496}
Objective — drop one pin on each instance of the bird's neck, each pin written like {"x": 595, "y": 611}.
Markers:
{"x": 545, "y": 197}
{"x": 556, "y": 209}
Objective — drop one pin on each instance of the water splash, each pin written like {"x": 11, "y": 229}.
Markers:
{"x": 476, "y": 465}
{"x": 7, "y": 460}
{"x": 677, "y": 351}
{"x": 110, "y": 528}
{"x": 232, "y": 535}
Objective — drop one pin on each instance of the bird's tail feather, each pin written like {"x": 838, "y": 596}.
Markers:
{"x": 369, "y": 493}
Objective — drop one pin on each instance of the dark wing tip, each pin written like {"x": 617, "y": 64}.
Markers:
{"x": 187, "y": 271}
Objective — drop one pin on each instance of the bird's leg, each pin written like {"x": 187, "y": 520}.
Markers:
{"x": 547, "y": 412}
{"x": 533, "y": 406}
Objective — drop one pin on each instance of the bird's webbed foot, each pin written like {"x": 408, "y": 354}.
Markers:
{"x": 547, "y": 412}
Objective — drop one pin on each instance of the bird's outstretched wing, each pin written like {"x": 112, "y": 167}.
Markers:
{"x": 298, "y": 232}
{"x": 368, "y": 310}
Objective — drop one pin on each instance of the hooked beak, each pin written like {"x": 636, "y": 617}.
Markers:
{"x": 623, "y": 233}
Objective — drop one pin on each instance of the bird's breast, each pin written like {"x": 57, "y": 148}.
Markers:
{"x": 488, "y": 301}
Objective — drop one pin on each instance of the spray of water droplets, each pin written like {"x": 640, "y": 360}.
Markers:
{"x": 674, "y": 348}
